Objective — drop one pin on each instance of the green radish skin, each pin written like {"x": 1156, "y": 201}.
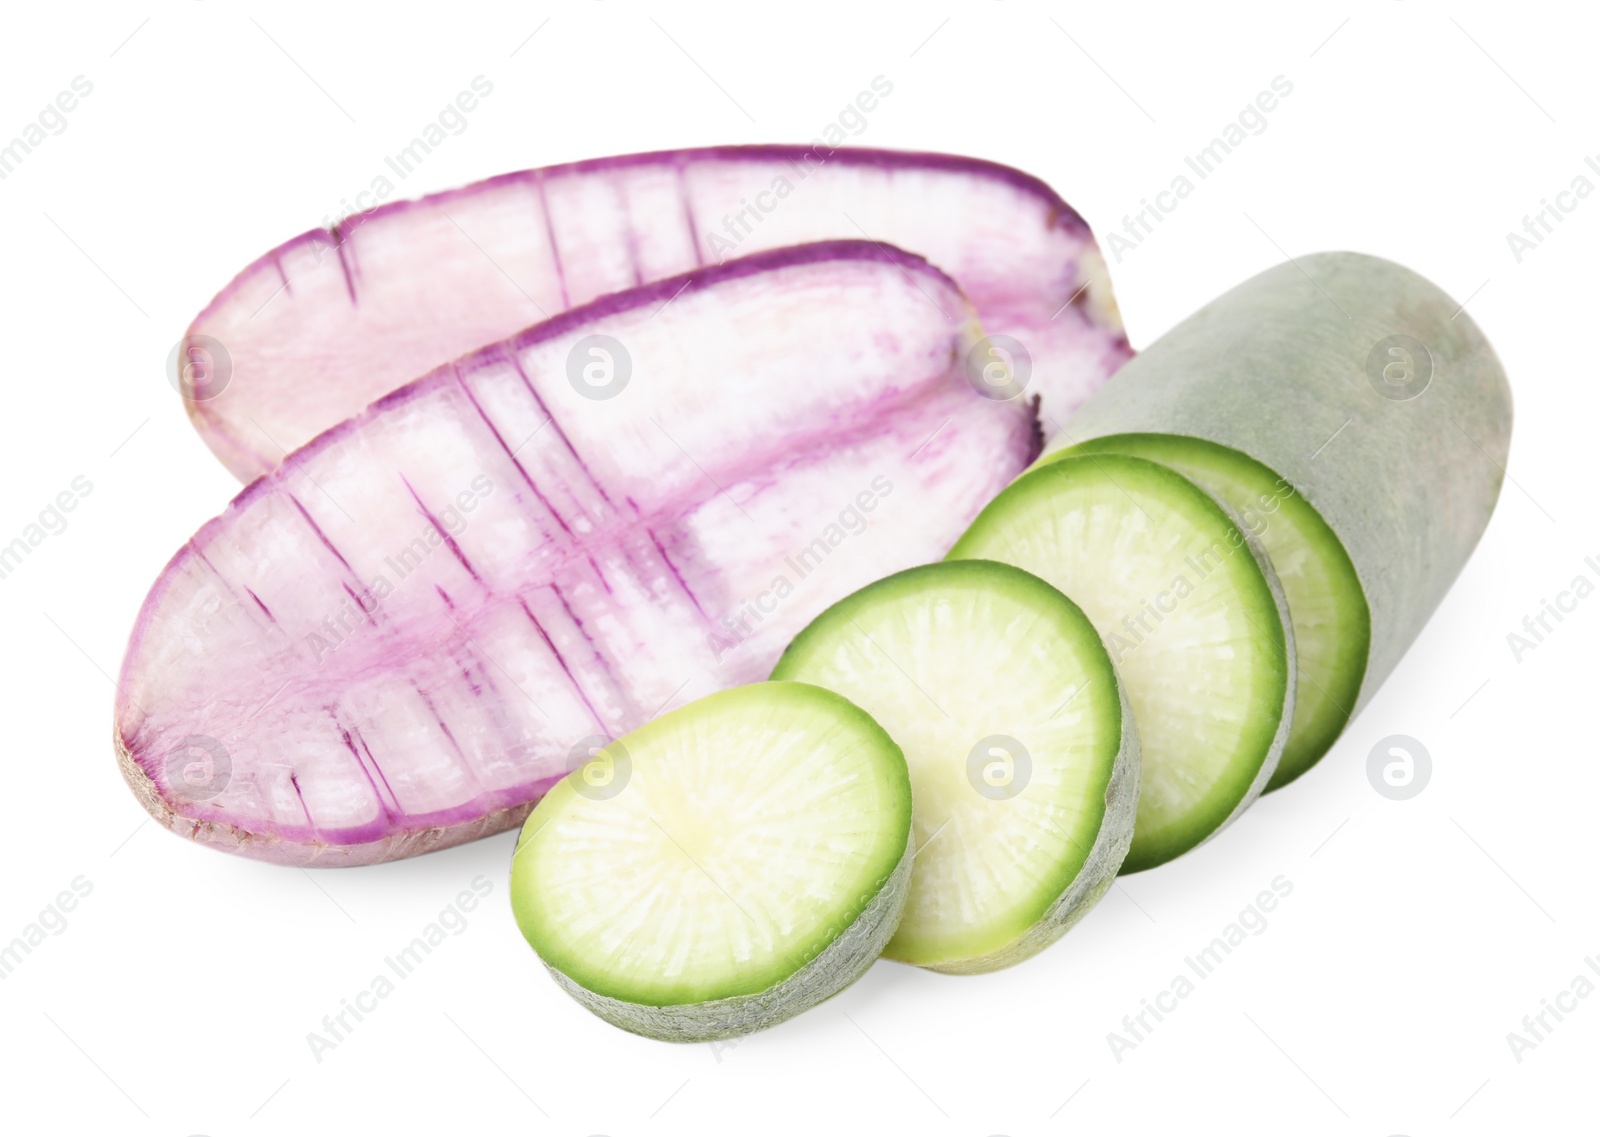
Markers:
{"x": 1296, "y": 369}
{"x": 949, "y": 658}
{"x": 1332, "y": 627}
{"x": 722, "y": 868}
{"x": 1192, "y": 615}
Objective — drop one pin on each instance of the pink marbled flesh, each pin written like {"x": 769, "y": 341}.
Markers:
{"x": 328, "y": 322}
{"x": 397, "y": 638}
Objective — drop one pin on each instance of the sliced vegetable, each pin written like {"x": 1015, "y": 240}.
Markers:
{"x": 722, "y": 868}
{"x": 1326, "y": 606}
{"x": 1191, "y": 616}
{"x": 1024, "y": 760}
{"x": 318, "y": 328}
{"x": 1378, "y": 401}
{"x": 397, "y": 640}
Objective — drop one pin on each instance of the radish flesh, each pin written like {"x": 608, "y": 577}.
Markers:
{"x": 318, "y": 328}
{"x": 398, "y": 640}
{"x": 1024, "y": 758}
{"x": 1320, "y": 586}
{"x": 1193, "y": 619}
{"x": 722, "y": 868}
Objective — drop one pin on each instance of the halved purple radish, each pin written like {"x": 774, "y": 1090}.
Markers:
{"x": 403, "y": 636}
{"x": 321, "y": 326}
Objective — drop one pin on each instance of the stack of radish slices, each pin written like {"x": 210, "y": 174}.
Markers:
{"x": 552, "y": 508}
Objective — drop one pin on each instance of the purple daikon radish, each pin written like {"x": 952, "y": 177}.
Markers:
{"x": 399, "y": 639}
{"x": 321, "y": 326}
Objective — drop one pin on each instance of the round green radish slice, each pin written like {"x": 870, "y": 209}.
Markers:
{"x": 723, "y": 867}
{"x": 1191, "y": 615}
{"x": 1332, "y": 627}
{"x": 1023, "y": 756}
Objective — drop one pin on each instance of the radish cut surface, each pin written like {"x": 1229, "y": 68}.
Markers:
{"x": 1023, "y": 757}
{"x": 1332, "y": 628}
{"x": 321, "y": 326}
{"x": 722, "y": 868}
{"x": 1367, "y": 389}
{"x": 1190, "y": 614}
{"x": 397, "y": 640}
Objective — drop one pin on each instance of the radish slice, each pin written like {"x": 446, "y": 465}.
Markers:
{"x": 401, "y": 638}
{"x": 722, "y": 868}
{"x": 1193, "y": 619}
{"x": 318, "y": 328}
{"x": 1023, "y": 754}
{"x": 1326, "y": 606}
{"x": 1354, "y": 414}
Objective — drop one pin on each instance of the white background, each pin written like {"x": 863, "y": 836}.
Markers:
{"x": 1418, "y": 934}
